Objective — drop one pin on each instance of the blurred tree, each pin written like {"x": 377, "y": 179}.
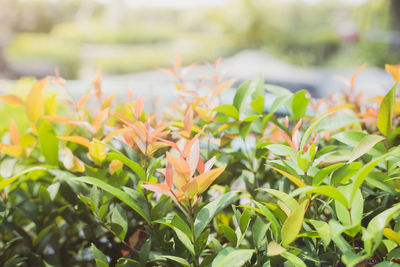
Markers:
{"x": 6, "y": 24}
{"x": 395, "y": 24}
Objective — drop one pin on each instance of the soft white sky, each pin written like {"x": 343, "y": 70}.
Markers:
{"x": 184, "y": 4}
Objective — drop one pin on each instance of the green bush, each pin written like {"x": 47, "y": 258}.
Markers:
{"x": 92, "y": 181}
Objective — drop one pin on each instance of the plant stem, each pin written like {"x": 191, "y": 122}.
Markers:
{"x": 191, "y": 221}
{"x": 122, "y": 241}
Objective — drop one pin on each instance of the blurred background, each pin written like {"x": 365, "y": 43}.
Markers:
{"x": 297, "y": 42}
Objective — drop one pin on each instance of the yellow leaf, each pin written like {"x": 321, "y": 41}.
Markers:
{"x": 14, "y": 151}
{"x": 153, "y": 147}
{"x": 394, "y": 70}
{"x": 292, "y": 178}
{"x": 76, "y": 139}
{"x": 274, "y": 249}
{"x": 71, "y": 162}
{"x": 179, "y": 86}
{"x": 27, "y": 140}
{"x": 12, "y": 100}
{"x": 392, "y": 235}
{"x": 97, "y": 151}
{"x": 50, "y": 105}
{"x": 34, "y": 102}
{"x": 205, "y": 113}
{"x": 114, "y": 166}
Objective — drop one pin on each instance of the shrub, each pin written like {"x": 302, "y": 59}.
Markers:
{"x": 200, "y": 183}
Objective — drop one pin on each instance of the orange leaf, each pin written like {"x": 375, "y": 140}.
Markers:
{"x": 200, "y": 166}
{"x": 222, "y": 87}
{"x": 170, "y": 71}
{"x": 188, "y": 146}
{"x": 159, "y": 188}
{"x": 107, "y": 102}
{"x": 82, "y": 101}
{"x": 76, "y": 139}
{"x": 353, "y": 78}
{"x": 55, "y": 118}
{"x": 14, "y": 133}
{"x": 297, "y": 126}
{"x": 193, "y": 157}
{"x": 200, "y": 183}
{"x": 114, "y": 133}
{"x": 169, "y": 173}
{"x": 179, "y": 164}
{"x": 100, "y": 117}
{"x": 97, "y": 85}
{"x": 217, "y": 62}
{"x": 394, "y": 70}
{"x": 138, "y": 107}
{"x": 12, "y": 100}
{"x": 187, "y": 122}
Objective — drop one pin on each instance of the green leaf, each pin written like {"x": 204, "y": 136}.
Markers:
{"x": 48, "y": 143}
{"x": 323, "y": 230}
{"x": 228, "y": 110}
{"x": 292, "y": 225}
{"x": 377, "y": 224}
{"x": 207, "y": 213}
{"x": 282, "y": 150}
{"x": 229, "y": 233}
{"x": 258, "y": 104}
{"x": 181, "y": 225}
{"x": 6, "y": 182}
{"x": 244, "y": 128}
{"x": 118, "y": 217}
{"x": 129, "y": 163}
{"x": 299, "y": 103}
{"x": 144, "y": 252}
{"x": 176, "y": 259}
{"x": 99, "y": 257}
{"x": 252, "y": 87}
{"x": 135, "y": 204}
{"x": 385, "y": 115}
{"x": 229, "y": 257}
{"x": 274, "y": 249}
{"x": 345, "y": 172}
{"x": 259, "y": 231}
{"x": 184, "y": 239}
{"x": 244, "y": 220}
{"x": 364, "y": 146}
{"x": 282, "y": 196}
{"x": 362, "y": 174}
{"x": 313, "y": 126}
{"x": 325, "y": 172}
{"x": 326, "y": 190}
{"x": 242, "y": 92}
{"x": 263, "y": 210}
{"x": 293, "y": 259}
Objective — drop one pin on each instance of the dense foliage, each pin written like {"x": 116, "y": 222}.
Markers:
{"x": 300, "y": 182}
